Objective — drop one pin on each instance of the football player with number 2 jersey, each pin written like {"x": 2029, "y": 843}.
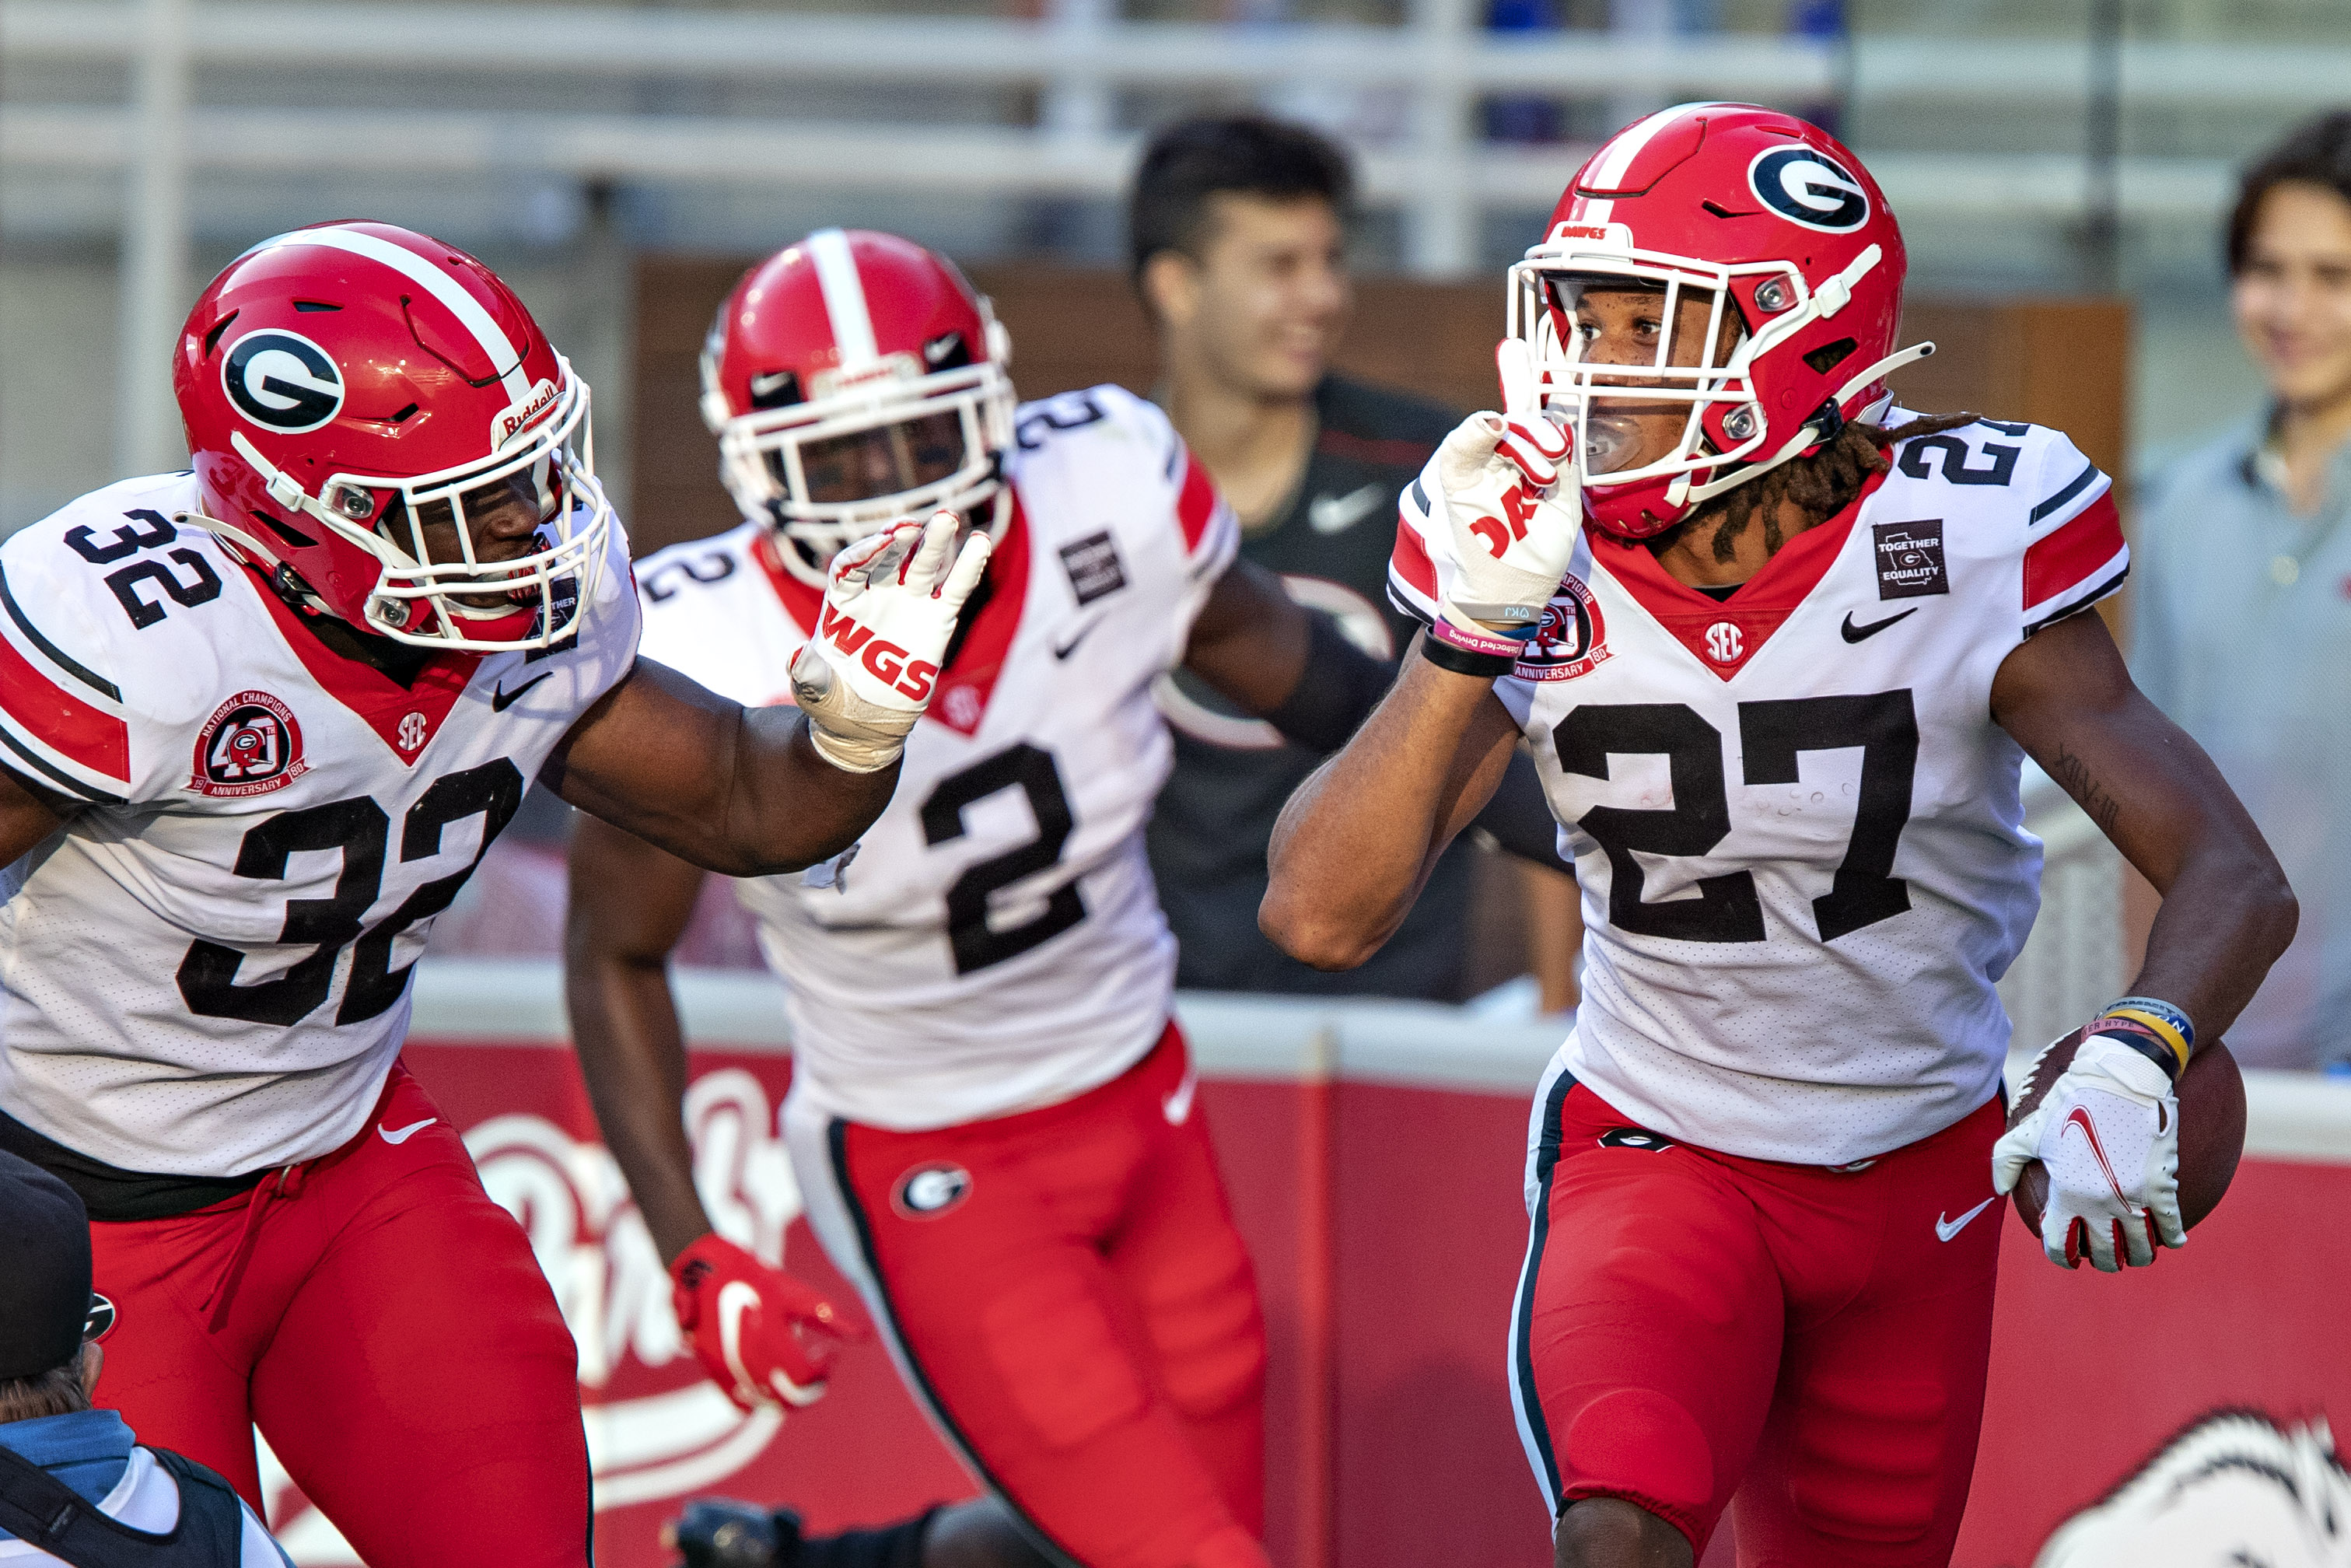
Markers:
{"x": 992, "y": 1115}
{"x": 258, "y": 723}
{"x": 1781, "y": 649}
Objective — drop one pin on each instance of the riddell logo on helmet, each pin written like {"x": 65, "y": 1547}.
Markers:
{"x": 1806, "y": 186}
{"x": 519, "y": 417}
{"x": 897, "y": 366}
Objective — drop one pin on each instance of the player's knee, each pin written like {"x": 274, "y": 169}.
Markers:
{"x": 1641, "y": 1445}
{"x": 1610, "y": 1533}
{"x": 1208, "y": 1337}
{"x": 1060, "y": 1360}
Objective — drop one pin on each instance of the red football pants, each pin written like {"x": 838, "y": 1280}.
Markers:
{"x": 1690, "y": 1324}
{"x": 384, "y": 1323}
{"x": 1064, "y": 1291}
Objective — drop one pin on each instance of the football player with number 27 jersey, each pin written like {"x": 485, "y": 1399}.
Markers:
{"x": 1780, "y": 650}
{"x": 992, "y": 1116}
{"x": 258, "y": 723}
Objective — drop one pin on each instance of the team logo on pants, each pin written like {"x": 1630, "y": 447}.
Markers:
{"x": 250, "y": 745}
{"x": 930, "y": 1190}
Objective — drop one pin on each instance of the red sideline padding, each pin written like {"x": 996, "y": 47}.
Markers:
{"x": 1400, "y": 1449}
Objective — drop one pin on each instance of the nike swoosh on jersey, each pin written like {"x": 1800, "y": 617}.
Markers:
{"x": 1337, "y": 514}
{"x": 1946, "y": 1228}
{"x": 1853, "y": 633}
{"x": 401, "y": 1134}
{"x": 502, "y": 699}
{"x": 1063, "y": 649}
{"x": 1178, "y": 1104}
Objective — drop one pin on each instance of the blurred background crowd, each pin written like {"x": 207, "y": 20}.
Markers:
{"x": 2129, "y": 218}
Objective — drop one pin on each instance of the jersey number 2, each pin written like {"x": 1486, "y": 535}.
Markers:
{"x": 977, "y": 941}
{"x": 1864, "y": 891}
{"x": 359, "y": 828}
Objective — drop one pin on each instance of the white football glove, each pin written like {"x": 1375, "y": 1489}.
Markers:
{"x": 890, "y": 608}
{"x": 2108, "y": 1134}
{"x": 1509, "y": 495}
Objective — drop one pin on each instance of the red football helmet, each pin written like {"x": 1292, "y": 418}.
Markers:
{"x": 349, "y": 386}
{"x": 1784, "y": 240}
{"x": 853, "y": 379}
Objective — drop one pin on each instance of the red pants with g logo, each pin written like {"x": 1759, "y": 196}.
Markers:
{"x": 384, "y": 1323}
{"x": 1063, "y": 1290}
{"x": 1690, "y": 1324}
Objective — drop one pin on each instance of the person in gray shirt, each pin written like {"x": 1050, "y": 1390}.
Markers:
{"x": 2242, "y": 622}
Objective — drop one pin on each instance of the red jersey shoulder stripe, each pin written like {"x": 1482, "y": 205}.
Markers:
{"x": 2072, "y": 554}
{"x": 60, "y": 722}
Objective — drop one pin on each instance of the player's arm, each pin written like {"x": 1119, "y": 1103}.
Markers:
{"x": 752, "y": 792}
{"x": 1357, "y": 840}
{"x": 2226, "y": 913}
{"x": 630, "y": 904}
{"x": 1293, "y": 668}
{"x": 30, "y": 813}
{"x": 739, "y": 790}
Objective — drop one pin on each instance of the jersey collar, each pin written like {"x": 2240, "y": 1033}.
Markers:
{"x": 1724, "y": 634}
{"x": 406, "y": 718}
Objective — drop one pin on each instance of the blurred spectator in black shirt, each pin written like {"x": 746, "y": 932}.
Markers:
{"x": 1237, "y": 230}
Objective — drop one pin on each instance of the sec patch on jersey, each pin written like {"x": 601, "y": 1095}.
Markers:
{"x": 2211, "y": 1129}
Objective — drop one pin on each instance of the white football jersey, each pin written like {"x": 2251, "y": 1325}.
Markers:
{"x": 994, "y": 942}
{"x": 1797, "y": 828}
{"x": 205, "y": 972}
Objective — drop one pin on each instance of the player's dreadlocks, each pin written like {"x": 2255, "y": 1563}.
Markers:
{"x": 1821, "y": 486}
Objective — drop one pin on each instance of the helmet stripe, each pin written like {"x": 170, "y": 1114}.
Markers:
{"x": 468, "y": 311}
{"x": 1616, "y": 158}
{"x": 844, "y": 297}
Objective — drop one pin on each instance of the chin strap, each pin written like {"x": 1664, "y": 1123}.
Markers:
{"x": 1826, "y": 420}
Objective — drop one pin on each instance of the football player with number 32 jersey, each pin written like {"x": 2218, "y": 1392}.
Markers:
{"x": 258, "y": 723}
{"x": 1781, "y": 649}
{"x": 992, "y": 1115}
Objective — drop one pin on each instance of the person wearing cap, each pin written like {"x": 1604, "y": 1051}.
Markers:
{"x": 75, "y": 1486}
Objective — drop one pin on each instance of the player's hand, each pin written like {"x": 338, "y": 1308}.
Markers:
{"x": 2108, "y": 1134}
{"x": 890, "y": 607}
{"x": 720, "y": 1532}
{"x": 762, "y": 1335}
{"x": 1503, "y": 478}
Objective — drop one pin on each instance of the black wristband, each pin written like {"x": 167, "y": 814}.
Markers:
{"x": 1336, "y": 691}
{"x": 1462, "y": 662}
{"x": 2144, "y": 1040}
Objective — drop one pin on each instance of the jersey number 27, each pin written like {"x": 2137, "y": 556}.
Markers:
{"x": 1883, "y": 725}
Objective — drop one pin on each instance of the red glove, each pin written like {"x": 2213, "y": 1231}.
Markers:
{"x": 757, "y": 1330}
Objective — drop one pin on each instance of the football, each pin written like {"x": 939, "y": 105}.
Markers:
{"x": 2211, "y": 1128}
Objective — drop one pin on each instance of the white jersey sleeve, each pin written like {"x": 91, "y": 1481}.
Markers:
{"x": 206, "y": 970}
{"x": 1796, "y": 828}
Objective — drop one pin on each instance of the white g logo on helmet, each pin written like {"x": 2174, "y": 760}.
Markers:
{"x": 282, "y": 381}
{"x": 1805, "y": 186}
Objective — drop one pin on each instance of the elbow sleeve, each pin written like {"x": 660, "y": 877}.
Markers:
{"x": 1336, "y": 691}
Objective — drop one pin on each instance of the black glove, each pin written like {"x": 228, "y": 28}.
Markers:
{"x": 720, "y": 1532}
